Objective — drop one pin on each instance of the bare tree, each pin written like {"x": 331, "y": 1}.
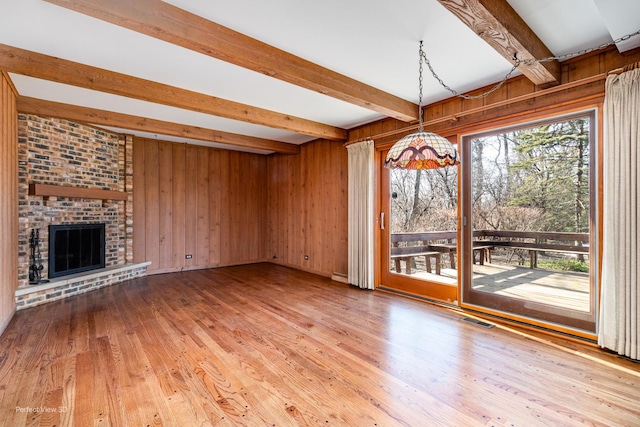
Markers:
{"x": 424, "y": 200}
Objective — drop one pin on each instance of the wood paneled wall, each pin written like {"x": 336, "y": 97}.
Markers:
{"x": 308, "y": 208}
{"x": 204, "y": 202}
{"x": 226, "y": 207}
{"x": 8, "y": 200}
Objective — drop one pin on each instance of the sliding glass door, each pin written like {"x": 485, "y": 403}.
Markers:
{"x": 420, "y": 217}
{"x": 529, "y": 207}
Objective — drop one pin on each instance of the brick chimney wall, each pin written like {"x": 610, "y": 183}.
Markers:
{"x": 60, "y": 152}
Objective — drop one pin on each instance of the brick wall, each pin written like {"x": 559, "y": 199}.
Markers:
{"x": 59, "y": 152}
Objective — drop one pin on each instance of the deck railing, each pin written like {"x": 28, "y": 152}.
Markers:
{"x": 487, "y": 240}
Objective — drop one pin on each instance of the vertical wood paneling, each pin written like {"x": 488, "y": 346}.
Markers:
{"x": 305, "y": 228}
{"x": 214, "y": 207}
{"x": 254, "y": 224}
{"x": 191, "y": 197}
{"x": 297, "y": 244}
{"x": 139, "y": 211}
{"x": 516, "y": 87}
{"x": 332, "y": 210}
{"x": 8, "y": 200}
{"x": 244, "y": 203}
{"x": 250, "y": 187}
{"x": 235, "y": 216}
{"x": 339, "y": 246}
{"x": 225, "y": 220}
{"x": 315, "y": 215}
{"x": 202, "y": 206}
{"x": 178, "y": 201}
{"x": 281, "y": 172}
{"x": 295, "y": 211}
{"x": 227, "y": 207}
{"x": 308, "y": 208}
{"x": 152, "y": 203}
{"x": 165, "y": 204}
{"x": 259, "y": 232}
{"x": 196, "y": 200}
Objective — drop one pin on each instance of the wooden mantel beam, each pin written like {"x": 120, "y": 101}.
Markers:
{"x": 498, "y": 24}
{"x": 46, "y": 67}
{"x": 166, "y": 22}
{"x": 125, "y": 121}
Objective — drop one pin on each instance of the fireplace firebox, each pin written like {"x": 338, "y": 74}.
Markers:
{"x": 74, "y": 248}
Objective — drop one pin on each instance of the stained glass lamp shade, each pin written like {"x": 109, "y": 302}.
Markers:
{"x": 422, "y": 150}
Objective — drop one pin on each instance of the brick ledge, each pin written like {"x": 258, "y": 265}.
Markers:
{"x": 59, "y": 288}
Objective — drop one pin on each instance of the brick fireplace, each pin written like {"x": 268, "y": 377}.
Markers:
{"x": 60, "y": 153}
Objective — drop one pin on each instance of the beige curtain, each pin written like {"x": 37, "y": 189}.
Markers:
{"x": 619, "y": 326}
{"x": 361, "y": 178}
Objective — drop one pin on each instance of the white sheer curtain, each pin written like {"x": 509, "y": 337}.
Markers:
{"x": 361, "y": 177}
{"x": 619, "y": 326}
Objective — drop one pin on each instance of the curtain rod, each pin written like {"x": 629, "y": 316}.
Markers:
{"x": 455, "y": 117}
{"x": 626, "y": 68}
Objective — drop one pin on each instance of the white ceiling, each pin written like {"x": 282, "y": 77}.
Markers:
{"x": 372, "y": 41}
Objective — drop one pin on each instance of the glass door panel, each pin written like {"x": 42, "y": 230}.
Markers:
{"x": 421, "y": 231}
{"x": 530, "y": 207}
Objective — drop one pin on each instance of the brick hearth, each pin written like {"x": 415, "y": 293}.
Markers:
{"x": 74, "y": 284}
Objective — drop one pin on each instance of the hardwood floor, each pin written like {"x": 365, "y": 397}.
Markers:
{"x": 263, "y": 345}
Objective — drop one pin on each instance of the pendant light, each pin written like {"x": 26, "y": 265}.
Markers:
{"x": 422, "y": 149}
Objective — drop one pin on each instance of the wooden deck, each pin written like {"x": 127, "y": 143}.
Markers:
{"x": 264, "y": 345}
{"x": 559, "y": 288}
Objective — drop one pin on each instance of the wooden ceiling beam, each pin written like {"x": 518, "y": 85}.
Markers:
{"x": 126, "y": 121}
{"x": 166, "y": 22}
{"x": 46, "y": 67}
{"x": 498, "y": 24}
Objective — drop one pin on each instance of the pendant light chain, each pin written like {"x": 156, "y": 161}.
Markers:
{"x": 517, "y": 62}
{"x": 463, "y": 96}
{"x": 420, "y": 56}
{"x": 578, "y": 53}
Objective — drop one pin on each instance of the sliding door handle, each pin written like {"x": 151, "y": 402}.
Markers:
{"x": 381, "y": 220}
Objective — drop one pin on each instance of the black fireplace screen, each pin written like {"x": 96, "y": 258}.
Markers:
{"x": 74, "y": 248}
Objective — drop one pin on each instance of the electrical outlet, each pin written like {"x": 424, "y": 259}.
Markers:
{"x": 188, "y": 256}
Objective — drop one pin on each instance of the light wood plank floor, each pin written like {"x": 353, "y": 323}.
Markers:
{"x": 263, "y": 345}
